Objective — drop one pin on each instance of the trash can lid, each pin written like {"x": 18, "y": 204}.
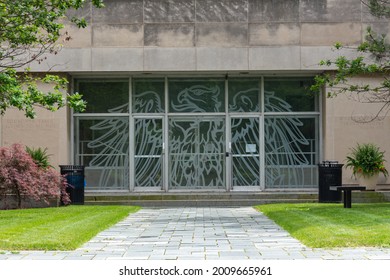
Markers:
{"x": 72, "y": 167}
{"x": 330, "y": 163}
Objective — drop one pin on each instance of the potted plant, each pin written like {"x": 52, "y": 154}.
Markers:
{"x": 367, "y": 162}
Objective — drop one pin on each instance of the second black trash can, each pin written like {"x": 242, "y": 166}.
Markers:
{"x": 330, "y": 174}
{"x": 75, "y": 177}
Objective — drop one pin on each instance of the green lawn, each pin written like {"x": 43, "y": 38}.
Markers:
{"x": 59, "y": 228}
{"x": 331, "y": 225}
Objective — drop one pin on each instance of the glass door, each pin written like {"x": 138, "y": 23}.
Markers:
{"x": 148, "y": 153}
{"x": 197, "y": 152}
{"x": 245, "y": 153}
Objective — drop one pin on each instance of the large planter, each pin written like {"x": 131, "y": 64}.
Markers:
{"x": 370, "y": 182}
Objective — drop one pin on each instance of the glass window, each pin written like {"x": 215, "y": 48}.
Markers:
{"x": 105, "y": 96}
{"x": 102, "y": 146}
{"x": 289, "y": 95}
{"x": 244, "y": 95}
{"x": 148, "y": 95}
{"x": 287, "y": 132}
{"x": 196, "y": 95}
{"x": 291, "y": 152}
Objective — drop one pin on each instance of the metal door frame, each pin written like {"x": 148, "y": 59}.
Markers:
{"x": 133, "y": 155}
{"x": 230, "y": 155}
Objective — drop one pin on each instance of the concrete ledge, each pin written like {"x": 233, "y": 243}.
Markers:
{"x": 222, "y": 59}
{"x": 66, "y": 60}
{"x": 232, "y": 199}
{"x": 311, "y": 56}
{"x": 199, "y": 199}
{"x": 259, "y": 58}
{"x": 275, "y": 58}
{"x": 117, "y": 59}
{"x": 11, "y": 202}
{"x": 198, "y": 203}
{"x": 169, "y": 59}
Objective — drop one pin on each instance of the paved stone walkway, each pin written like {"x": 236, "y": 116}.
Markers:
{"x": 197, "y": 234}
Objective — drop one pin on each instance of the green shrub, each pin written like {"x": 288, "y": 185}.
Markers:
{"x": 20, "y": 176}
{"x": 367, "y": 160}
{"x": 39, "y": 156}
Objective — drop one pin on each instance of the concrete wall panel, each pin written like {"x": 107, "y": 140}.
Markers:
{"x": 119, "y": 35}
{"x": 79, "y": 37}
{"x": 344, "y": 128}
{"x": 170, "y": 35}
{"x": 169, "y": 59}
{"x": 273, "y": 11}
{"x": 119, "y": 11}
{"x": 274, "y": 58}
{"x": 311, "y": 56}
{"x": 330, "y": 11}
{"x": 169, "y": 11}
{"x": 222, "y": 11}
{"x": 270, "y": 34}
{"x": 67, "y": 60}
{"x": 368, "y": 17}
{"x": 380, "y": 28}
{"x": 222, "y": 34}
{"x": 117, "y": 59}
{"x": 209, "y": 59}
{"x": 317, "y": 34}
{"x": 85, "y": 12}
{"x": 49, "y": 130}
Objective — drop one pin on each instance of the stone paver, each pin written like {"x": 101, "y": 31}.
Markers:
{"x": 197, "y": 234}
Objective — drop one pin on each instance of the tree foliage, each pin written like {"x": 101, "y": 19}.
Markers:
{"x": 30, "y": 30}
{"x": 378, "y": 8}
{"x": 372, "y": 60}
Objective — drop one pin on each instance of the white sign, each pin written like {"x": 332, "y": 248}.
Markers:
{"x": 250, "y": 148}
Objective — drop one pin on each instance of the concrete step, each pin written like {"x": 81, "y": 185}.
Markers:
{"x": 233, "y": 199}
{"x": 196, "y": 203}
{"x": 199, "y": 199}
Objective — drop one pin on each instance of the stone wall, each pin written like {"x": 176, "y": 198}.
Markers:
{"x": 208, "y": 35}
{"x": 49, "y": 130}
{"x": 347, "y": 122}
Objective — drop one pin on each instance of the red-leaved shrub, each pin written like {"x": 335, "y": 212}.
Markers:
{"x": 21, "y": 176}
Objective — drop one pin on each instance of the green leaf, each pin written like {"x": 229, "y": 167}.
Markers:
{"x": 338, "y": 45}
{"x": 34, "y": 25}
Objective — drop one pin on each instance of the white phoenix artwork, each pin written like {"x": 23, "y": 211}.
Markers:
{"x": 197, "y": 144}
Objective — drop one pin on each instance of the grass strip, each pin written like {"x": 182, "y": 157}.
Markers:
{"x": 327, "y": 225}
{"x": 58, "y": 228}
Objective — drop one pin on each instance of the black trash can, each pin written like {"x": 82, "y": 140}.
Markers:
{"x": 74, "y": 175}
{"x": 330, "y": 174}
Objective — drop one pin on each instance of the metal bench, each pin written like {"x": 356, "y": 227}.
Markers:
{"x": 347, "y": 189}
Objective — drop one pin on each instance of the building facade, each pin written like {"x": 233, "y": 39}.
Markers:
{"x": 202, "y": 95}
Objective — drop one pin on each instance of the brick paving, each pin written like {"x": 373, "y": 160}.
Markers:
{"x": 197, "y": 234}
